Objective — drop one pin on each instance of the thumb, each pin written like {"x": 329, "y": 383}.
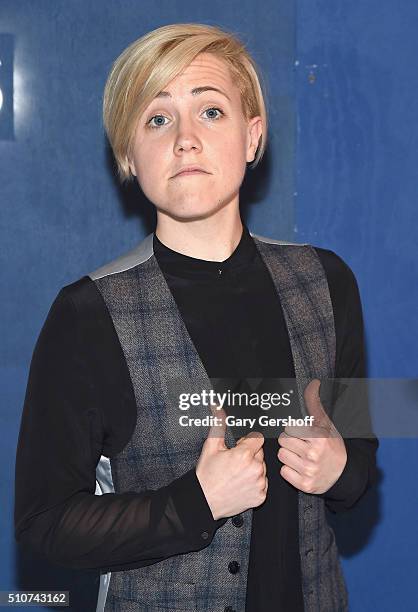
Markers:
{"x": 314, "y": 406}
{"x": 253, "y": 440}
{"x": 216, "y": 436}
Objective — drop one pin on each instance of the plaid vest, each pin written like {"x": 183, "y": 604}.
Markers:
{"x": 157, "y": 347}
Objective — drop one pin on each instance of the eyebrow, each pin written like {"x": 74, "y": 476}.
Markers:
{"x": 195, "y": 91}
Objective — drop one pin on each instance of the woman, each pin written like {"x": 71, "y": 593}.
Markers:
{"x": 176, "y": 520}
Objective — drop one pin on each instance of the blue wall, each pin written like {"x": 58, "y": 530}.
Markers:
{"x": 339, "y": 173}
{"x": 356, "y": 178}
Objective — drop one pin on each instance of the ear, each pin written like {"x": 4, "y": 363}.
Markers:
{"x": 255, "y": 129}
{"x": 131, "y": 165}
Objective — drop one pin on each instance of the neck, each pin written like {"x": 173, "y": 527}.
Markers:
{"x": 213, "y": 239}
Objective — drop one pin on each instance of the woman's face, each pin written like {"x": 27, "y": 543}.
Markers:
{"x": 205, "y": 128}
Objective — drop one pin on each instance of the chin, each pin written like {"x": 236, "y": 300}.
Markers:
{"x": 191, "y": 212}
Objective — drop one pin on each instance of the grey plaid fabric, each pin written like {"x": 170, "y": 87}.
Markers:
{"x": 159, "y": 351}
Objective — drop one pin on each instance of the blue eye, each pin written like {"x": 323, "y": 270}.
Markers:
{"x": 212, "y": 108}
{"x": 154, "y": 117}
{"x": 216, "y": 109}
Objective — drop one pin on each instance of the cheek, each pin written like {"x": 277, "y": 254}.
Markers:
{"x": 233, "y": 164}
{"x": 146, "y": 156}
{"x": 148, "y": 169}
{"x": 234, "y": 151}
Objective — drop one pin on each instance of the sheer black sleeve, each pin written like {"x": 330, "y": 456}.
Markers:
{"x": 360, "y": 471}
{"x": 61, "y": 438}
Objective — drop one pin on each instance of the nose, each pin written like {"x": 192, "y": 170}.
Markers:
{"x": 187, "y": 138}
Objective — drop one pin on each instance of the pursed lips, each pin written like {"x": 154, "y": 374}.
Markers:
{"x": 187, "y": 172}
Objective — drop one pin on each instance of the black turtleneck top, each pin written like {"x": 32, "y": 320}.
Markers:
{"x": 233, "y": 314}
{"x": 78, "y": 375}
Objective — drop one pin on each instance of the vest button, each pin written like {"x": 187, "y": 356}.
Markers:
{"x": 204, "y": 535}
{"x": 237, "y": 520}
{"x": 233, "y": 567}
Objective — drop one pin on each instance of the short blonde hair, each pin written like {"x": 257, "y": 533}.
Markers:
{"x": 152, "y": 61}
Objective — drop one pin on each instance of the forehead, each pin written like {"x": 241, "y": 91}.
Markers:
{"x": 204, "y": 69}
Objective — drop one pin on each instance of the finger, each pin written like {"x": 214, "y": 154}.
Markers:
{"x": 251, "y": 434}
{"x": 291, "y": 459}
{"x": 293, "y": 477}
{"x": 216, "y": 434}
{"x": 309, "y": 434}
{"x": 266, "y": 486}
{"x": 314, "y": 405}
{"x": 254, "y": 440}
{"x": 259, "y": 456}
{"x": 294, "y": 444}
